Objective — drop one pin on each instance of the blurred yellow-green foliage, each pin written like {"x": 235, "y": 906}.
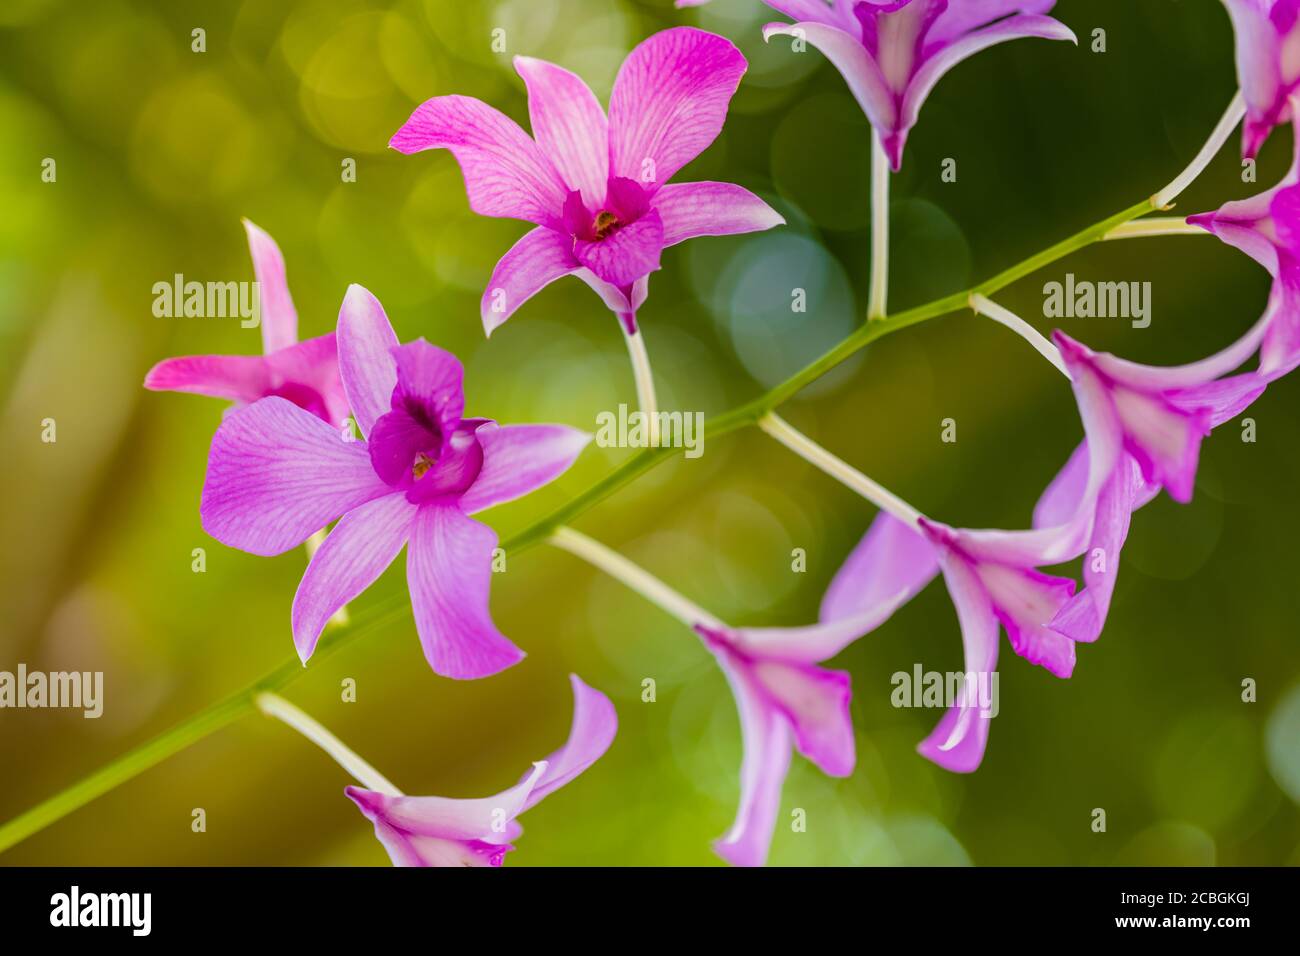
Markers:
{"x": 160, "y": 150}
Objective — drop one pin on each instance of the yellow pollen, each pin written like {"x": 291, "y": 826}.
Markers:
{"x": 605, "y": 223}
{"x": 422, "y": 464}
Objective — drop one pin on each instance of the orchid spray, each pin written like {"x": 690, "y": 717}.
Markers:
{"x": 595, "y": 186}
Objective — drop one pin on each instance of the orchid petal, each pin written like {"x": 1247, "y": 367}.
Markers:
{"x": 279, "y": 318}
{"x": 518, "y": 459}
{"x": 534, "y": 262}
{"x": 595, "y": 724}
{"x": 816, "y": 703}
{"x": 277, "y": 474}
{"x": 959, "y": 740}
{"x": 569, "y": 126}
{"x": 965, "y": 16}
{"x": 1084, "y": 615}
{"x": 816, "y": 642}
{"x": 669, "y": 102}
{"x": 446, "y": 818}
{"x": 239, "y": 378}
{"x": 307, "y": 373}
{"x": 689, "y": 210}
{"x": 506, "y": 174}
{"x": 366, "y": 363}
{"x": 358, "y": 549}
{"x": 1258, "y": 56}
{"x": 891, "y": 564}
{"x": 767, "y": 744}
{"x": 449, "y": 571}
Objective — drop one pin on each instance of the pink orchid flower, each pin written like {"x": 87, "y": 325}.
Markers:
{"x": 1267, "y": 33}
{"x": 1266, "y": 227}
{"x": 596, "y": 187}
{"x": 1143, "y": 428}
{"x": 304, "y": 373}
{"x": 893, "y": 52}
{"x": 994, "y": 582}
{"x": 277, "y": 474}
{"x": 785, "y": 701}
{"x": 437, "y": 831}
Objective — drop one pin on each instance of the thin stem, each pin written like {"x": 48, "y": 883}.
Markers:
{"x": 384, "y": 613}
{"x": 1015, "y": 323}
{"x": 645, "y": 384}
{"x": 876, "y": 304}
{"x": 1155, "y": 226}
{"x": 634, "y": 576}
{"x": 837, "y": 468}
{"x": 273, "y": 705}
{"x": 1231, "y": 117}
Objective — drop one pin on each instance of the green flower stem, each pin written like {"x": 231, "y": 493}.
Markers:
{"x": 219, "y": 715}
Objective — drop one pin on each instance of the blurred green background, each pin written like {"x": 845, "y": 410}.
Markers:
{"x": 159, "y": 152}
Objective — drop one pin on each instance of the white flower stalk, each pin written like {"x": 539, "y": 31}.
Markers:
{"x": 276, "y": 706}
{"x": 877, "y": 303}
{"x": 1155, "y": 226}
{"x": 645, "y": 384}
{"x": 990, "y": 309}
{"x": 635, "y": 577}
{"x": 837, "y": 468}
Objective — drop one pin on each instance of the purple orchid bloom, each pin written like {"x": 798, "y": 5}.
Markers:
{"x": 304, "y": 373}
{"x": 785, "y": 701}
{"x": 437, "y": 831}
{"x": 892, "y": 52}
{"x": 1266, "y": 227}
{"x": 1143, "y": 429}
{"x": 1267, "y": 33}
{"x": 276, "y": 475}
{"x": 596, "y": 187}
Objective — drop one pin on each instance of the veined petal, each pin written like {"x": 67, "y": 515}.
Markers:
{"x": 534, "y": 262}
{"x": 892, "y": 563}
{"x": 569, "y": 125}
{"x": 433, "y": 379}
{"x": 279, "y": 317}
{"x": 711, "y": 209}
{"x": 505, "y": 172}
{"x": 767, "y": 745}
{"x": 277, "y": 474}
{"x": 595, "y": 723}
{"x": 627, "y": 254}
{"x": 239, "y": 378}
{"x": 669, "y": 102}
{"x": 518, "y": 459}
{"x": 1224, "y": 398}
{"x": 366, "y": 363}
{"x": 946, "y": 57}
{"x": 358, "y": 549}
{"x": 860, "y": 72}
{"x": 449, "y": 571}
{"x": 958, "y": 742}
